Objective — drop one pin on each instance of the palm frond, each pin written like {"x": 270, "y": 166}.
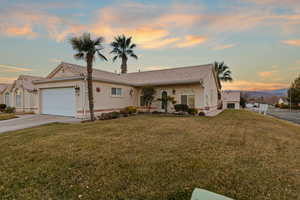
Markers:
{"x": 134, "y": 56}
{"x": 101, "y": 55}
{"x": 79, "y": 56}
{"x": 115, "y": 58}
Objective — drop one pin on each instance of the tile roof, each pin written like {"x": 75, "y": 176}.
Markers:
{"x": 181, "y": 75}
{"x": 3, "y": 86}
{"x": 26, "y": 81}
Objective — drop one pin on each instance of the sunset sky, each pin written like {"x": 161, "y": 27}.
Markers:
{"x": 258, "y": 39}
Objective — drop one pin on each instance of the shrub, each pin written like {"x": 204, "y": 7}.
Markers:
{"x": 10, "y": 109}
{"x": 131, "y": 109}
{"x": 115, "y": 115}
{"x": 156, "y": 112}
{"x": 283, "y": 106}
{"x": 106, "y": 116}
{"x": 181, "y": 107}
{"x": 201, "y": 114}
{"x": 192, "y": 111}
{"x": 124, "y": 111}
{"x": 2, "y": 107}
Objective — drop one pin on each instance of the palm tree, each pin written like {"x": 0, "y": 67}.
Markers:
{"x": 86, "y": 48}
{"x": 223, "y": 71}
{"x": 123, "y": 48}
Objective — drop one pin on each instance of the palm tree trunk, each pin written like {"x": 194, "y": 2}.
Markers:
{"x": 90, "y": 87}
{"x": 124, "y": 65}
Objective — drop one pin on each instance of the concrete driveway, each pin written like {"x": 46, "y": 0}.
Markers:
{"x": 28, "y": 121}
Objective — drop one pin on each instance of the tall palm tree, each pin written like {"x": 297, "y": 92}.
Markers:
{"x": 86, "y": 48}
{"x": 223, "y": 71}
{"x": 123, "y": 48}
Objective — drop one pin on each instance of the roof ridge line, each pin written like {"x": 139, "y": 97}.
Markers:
{"x": 174, "y": 68}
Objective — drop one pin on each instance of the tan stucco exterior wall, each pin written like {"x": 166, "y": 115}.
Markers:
{"x": 105, "y": 102}
{"x": 210, "y": 93}
{"x": 28, "y": 99}
{"x": 65, "y": 84}
{"x": 236, "y": 107}
{"x": 176, "y": 91}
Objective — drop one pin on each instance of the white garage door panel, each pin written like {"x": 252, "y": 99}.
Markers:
{"x": 59, "y": 101}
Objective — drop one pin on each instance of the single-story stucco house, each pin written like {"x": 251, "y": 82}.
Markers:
{"x": 64, "y": 90}
{"x": 283, "y": 101}
{"x": 231, "y": 99}
{"x": 22, "y": 94}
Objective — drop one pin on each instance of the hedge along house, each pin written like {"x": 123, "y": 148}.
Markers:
{"x": 22, "y": 94}
{"x": 64, "y": 91}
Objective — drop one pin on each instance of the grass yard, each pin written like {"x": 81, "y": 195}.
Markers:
{"x": 4, "y": 116}
{"x": 239, "y": 154}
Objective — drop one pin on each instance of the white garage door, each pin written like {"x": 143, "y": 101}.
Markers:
{"x": 58, "y": 101}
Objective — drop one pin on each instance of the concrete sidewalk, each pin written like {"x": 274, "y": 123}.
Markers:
{"x": 28, "y": 121}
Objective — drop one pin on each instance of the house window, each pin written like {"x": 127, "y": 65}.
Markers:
{"x": 6, "y": 99}
{"x": 18, "y": 98}
{"x": 188, "y": 100}
{"x": 117, "y": 92}
{"x": 231, "y": 106}
{"x": 142, "y": 101}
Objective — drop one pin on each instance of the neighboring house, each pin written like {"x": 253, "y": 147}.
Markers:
{"x": 22, "y": 94}
{"x": 283, "y": 101}
{"x": 231, "y": 99}
{"x": 3, "y": 87}
{"x": 64, "y": 91}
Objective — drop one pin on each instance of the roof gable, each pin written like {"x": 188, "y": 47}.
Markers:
{"x": 25, "y": 82}
{"x": 3, "y": 87}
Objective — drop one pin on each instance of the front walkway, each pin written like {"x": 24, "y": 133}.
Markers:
{"x": 28, "y": 121}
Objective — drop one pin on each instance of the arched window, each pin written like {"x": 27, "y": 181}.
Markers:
{"x": 18, "y": 98}
{"x": 6, "y": 99}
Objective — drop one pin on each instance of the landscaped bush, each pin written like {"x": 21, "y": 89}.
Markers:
{"x": 201, "y": 114}
{"x": 110, "y": 115}
{"x": 156, "y": 112}
{"x": 2, "y": 107}
{"x": 277, "y": 105}
{"x": 115, "y": 115}
{"x": 131, "y": 109}
{"x": 105, "y": 116}
{"x": 124, "y": 112}
{"x": 192, "y": 111}
{"x": 181, "y": 107}
{"x": 10, "y": 109}
{"x": 283, "y": 106}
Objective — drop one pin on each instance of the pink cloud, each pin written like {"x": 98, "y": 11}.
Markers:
{"x": 191, "y": 40}
{"x": 252, "y": 85}
{"x": 222, "y": 47}
{"x": 267, "y": 74}
{"x": 292, "y": 42}
{"x": 15, "y": 31}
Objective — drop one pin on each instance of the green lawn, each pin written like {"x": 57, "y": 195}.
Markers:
{"x": 239, "y": 154}
{"x": 7, "y": 116}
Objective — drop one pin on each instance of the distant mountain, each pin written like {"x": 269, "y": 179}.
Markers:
{"x": 267, "y": 93}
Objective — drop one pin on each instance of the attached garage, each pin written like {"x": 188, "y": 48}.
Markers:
{"x": 58, "y": 101}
